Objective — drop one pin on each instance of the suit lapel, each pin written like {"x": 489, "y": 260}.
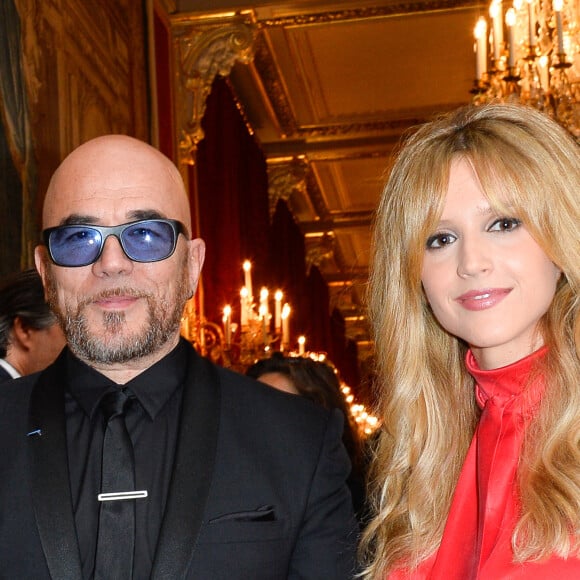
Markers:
{"x": 192, "y": 470}
{"x": 50, "y": 479}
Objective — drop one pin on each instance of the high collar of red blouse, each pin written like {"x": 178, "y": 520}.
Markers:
{"x": 506, "y": 384}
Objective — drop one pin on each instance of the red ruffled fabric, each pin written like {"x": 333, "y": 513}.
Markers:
{"x": 476, "y": 543}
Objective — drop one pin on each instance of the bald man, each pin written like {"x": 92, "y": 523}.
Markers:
{"x": 230, "y": 479}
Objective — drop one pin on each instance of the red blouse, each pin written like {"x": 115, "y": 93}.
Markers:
{"x": 476, "y": 542}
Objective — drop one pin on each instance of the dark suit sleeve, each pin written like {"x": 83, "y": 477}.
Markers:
{"x": 327, "y": 540}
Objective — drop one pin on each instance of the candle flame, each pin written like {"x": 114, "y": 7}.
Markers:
{"x": 510, "y": 17}
{"x": 494, "y": 9}
{"x": 480, "y": 28}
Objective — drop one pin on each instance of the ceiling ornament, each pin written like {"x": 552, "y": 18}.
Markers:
{"x": 286, "y": 177}
{"x": 319, "y": 251}
{"x": 206, "y": 48}
{"x": 529, "y": 52}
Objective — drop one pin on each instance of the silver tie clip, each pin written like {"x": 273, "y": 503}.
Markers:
{"x": 122, "y": 495}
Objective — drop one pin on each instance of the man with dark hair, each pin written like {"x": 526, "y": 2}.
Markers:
{"x": 30, "y": 337}
{"x": 132, "y": 457}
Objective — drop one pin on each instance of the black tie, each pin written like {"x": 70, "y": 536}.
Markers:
{"x": 116, "y": 536}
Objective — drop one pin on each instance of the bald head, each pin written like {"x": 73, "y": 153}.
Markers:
{"x": 115, "y": 174}
{"x": 120, "y": 314}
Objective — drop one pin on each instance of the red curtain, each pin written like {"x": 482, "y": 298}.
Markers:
{"x": 232, "y": 186}
{"x": 287, "y": 267}
{"x": 309, "y": 297}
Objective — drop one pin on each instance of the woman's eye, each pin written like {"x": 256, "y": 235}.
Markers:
{"x": 504, "y": 224}
{"x": 440, "y": 240}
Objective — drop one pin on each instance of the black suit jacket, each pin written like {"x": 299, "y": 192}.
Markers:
{"x": 257, "y": 488}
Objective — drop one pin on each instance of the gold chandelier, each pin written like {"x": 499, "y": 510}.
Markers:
{"x": 529, "y": 52}
{"x": 238, "y": 346}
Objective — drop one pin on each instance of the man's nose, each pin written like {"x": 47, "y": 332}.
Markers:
{"x": 113, "y": 259}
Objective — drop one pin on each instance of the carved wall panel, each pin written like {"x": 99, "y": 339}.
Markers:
{"x": 85, "y": 70}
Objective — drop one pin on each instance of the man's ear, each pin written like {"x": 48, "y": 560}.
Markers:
{"x": 196, "y": 256}
{"x": 21, "y": 334}
{"x": 40, "y": 257}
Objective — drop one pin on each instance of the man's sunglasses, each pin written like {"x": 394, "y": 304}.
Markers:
{"x": 142, "y": 241}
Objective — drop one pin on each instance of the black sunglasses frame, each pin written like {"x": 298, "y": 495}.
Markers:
{"x": 117, "y": 232}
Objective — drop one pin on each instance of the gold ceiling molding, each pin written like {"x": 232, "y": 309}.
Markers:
{"x": 347, "y": 220}
{"x": 286, "y": 177}
{"x": 363, "y": 128}
{"x": 274, "y": 87}
{"x": 208, "y": 45}
{"x": 274, "y": 91}
{"x": 205, "y": 48}
{"x": 366, "y": 13}
{"x": 316, "y": 197}
{"x": 265, "y": 66}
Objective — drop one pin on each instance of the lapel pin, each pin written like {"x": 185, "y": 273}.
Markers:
{"x": 36, "y": 432}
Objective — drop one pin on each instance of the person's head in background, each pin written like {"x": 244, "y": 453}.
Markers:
{"x": 274, "y": 371}
{"x": 30, "y": 337}
{"x": 315, "y": 380}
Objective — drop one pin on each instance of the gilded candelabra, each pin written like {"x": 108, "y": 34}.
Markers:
{"x": 530, "y": 53}
{"x": 238, "y": 346}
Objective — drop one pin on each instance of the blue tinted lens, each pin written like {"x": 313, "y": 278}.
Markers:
{"x": 148, "y": 241}
{"x": 75, "y": 245}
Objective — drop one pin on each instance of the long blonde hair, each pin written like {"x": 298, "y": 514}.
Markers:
{"x": 528, "y": 163}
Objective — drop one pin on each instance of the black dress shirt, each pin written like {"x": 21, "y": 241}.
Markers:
{"x": 152, "y": 422}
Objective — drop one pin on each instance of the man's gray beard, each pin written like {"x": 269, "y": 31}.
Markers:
{"x": 108, "y": 347}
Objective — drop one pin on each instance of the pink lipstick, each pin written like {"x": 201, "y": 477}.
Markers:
{"x": 482, "y": 299}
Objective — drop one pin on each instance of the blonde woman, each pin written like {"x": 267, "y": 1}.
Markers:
{"x": 474, "y": 301}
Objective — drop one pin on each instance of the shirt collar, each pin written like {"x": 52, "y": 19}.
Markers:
{"x": 9, "y": 368}
{"x": 87, "y": 385}
{"x": 507, "y": 383}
